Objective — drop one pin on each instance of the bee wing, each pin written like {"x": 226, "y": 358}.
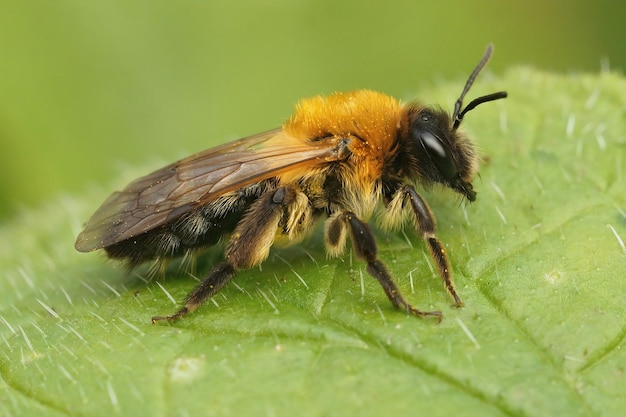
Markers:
{"x": 165, "y": 194}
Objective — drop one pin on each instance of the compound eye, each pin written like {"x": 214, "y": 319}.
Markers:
{"x": 436, "y": 150}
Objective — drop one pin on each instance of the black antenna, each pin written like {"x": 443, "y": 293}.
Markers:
{"x": 458, "y": 114}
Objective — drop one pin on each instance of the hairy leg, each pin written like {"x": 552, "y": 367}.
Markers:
{"x": 365, "y": 248}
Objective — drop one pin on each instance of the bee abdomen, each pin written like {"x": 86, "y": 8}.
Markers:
{"x": 191, "y": 231}
{"x": 199, "y": 228}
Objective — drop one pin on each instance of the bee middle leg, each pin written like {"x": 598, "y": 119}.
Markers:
{"x": 365, "y": 247}
{"x": 249, "y": 246}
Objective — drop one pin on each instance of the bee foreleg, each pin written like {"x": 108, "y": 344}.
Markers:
{"x": 425, "y": 223}
{"x": 365, "y": 247}
{"x": 249, "y": 246}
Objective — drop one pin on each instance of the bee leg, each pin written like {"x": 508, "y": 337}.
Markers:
{"x": 219, "y": 276}
{"x": 425, "y": 222}
{"x": 364, "y": 245}
{"x": 249, "y": 246}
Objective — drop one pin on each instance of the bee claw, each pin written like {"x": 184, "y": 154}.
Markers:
{"x": 155, "y": 319}
{"x": 171, "y": 318}
{"x": 420, "y": 313}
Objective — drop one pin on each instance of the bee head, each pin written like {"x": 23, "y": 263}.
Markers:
{"x": 440, "y": 152}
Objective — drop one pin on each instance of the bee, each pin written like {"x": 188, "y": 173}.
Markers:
{"x": 344, "y": 157}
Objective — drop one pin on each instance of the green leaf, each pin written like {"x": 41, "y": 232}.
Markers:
{"x": 538, "y": 259}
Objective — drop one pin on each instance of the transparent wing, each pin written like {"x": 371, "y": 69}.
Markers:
{"x": 165, "y": 194}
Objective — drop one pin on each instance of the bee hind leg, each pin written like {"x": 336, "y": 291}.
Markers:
{"x": 249, "y": 245}
{"x": 219, "y": 276}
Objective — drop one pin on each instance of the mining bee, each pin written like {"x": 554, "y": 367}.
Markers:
{"x": 343, "y": 157}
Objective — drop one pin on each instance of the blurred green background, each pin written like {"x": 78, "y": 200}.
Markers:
{"x": 90, "y": 87}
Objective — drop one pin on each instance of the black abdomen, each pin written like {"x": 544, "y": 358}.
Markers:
{"x": 201, "y": 227}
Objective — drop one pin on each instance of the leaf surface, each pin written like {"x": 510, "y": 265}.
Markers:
{"x": 538, "y": 260}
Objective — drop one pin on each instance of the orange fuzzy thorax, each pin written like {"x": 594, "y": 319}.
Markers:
{"x": 369, "y": 118}
{"x": 373, "y": 117}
